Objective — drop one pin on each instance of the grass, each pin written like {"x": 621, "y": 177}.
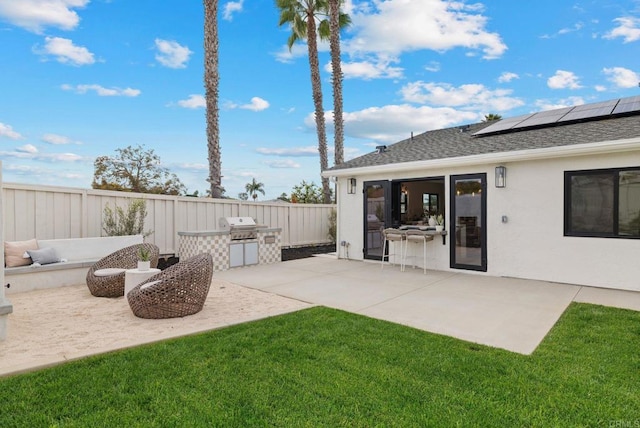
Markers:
{"x": 324, "y": 367}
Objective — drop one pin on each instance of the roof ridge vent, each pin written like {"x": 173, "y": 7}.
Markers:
{"x": 381, "y": 149}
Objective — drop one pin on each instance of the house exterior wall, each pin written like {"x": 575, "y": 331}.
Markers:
{"x": 531, "y": 244}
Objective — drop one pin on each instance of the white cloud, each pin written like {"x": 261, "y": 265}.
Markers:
{"x": 576, "y": 27}
{"x": 256, "y": 104}
{"x": 102, "y": 91}
{"x": 65, "y": 51}
{"x": 7, "y": 131}
{"x": 27, "y": 148}
{"x": 194, "y": 101}
{"x": 283, "y": 163}
{"x": 395, "y": 26}
{"x": 293, "y": 151}
{"x": 628, "y": 29}
{"x": 622, "y": 77}
{"x": 171, "y": 54}
{"x": 544, "y": 105}
{"x": 56, "y": 139}
{"x": 34, "y": 15}
{"x": 376, "y": 69}
{"x": 44, "y": 175}
{"x": 287, "y": 56}
{"x": 433, "y": 66}
{"x": 30, "y": 152}
{"x": 61, "y": 157}
{"x": 469, "y": 96}
{"x": 507, "y": 76}
{"x": 564, "y": 80}
{"x": 600, "y": 88}
{"x": 230, "y": 8}
{"x": 391, "y": 123}
{"x": 193, "y": 166}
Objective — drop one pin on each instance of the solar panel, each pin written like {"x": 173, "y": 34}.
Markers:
{"x": 503, "y": 124}
{"x": 589, "y": 111}
{"x": 628, "y": 105}
{"x": 544, "y": 117}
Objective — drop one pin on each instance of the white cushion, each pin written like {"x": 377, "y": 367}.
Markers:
{"x": 149, "y": 284}
{"x": 108, "y": 271}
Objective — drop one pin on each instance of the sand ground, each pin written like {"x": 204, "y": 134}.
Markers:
{"x": 51, "y": 326}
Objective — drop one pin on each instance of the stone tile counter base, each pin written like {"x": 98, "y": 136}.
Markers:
{"x": 217, "y": 244}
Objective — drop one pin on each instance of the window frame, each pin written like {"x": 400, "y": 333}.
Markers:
{"x": 615, "y": 172}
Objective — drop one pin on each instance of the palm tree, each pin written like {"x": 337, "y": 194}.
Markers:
{"x": 491, "y": 117}
{"x": 211, "y": 83}
{"x": 337, "y": 21}
{"x": 253, "y": 188}
{"x": 302, "y": 16}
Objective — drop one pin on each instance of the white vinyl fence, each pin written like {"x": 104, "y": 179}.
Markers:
{"x": 44, "y": 212}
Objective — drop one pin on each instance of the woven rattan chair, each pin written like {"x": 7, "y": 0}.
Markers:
{"x": 177, "y": 291}
{"x": 112, "y": 285}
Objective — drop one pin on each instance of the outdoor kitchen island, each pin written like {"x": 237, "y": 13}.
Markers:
{"x": 238, "y": 242}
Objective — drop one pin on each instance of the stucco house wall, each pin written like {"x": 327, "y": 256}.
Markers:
{"x": 531, "y": 244}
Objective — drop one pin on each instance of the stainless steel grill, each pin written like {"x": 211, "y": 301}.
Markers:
{"x": 239, "y": 227}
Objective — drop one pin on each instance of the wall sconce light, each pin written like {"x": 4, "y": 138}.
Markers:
{"x": 501, "y": 176}
{"x": 351, "y": 186}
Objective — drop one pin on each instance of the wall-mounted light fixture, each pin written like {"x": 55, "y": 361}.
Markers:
{"x": 501, "y": 176}
{"x": 351, "y": 186}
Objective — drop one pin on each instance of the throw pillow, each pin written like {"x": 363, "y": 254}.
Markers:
{"x": 13, "y": 251}
{"x": 44, "y": 256}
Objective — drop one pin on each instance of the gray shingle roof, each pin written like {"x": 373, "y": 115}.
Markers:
{"x": 459, "y": 141}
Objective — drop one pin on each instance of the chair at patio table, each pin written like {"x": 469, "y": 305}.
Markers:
{"x": 177, "y": 291}
{"x": 107, "y": 276}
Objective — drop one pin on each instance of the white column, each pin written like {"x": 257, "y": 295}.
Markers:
{"x": 5, "y": 306}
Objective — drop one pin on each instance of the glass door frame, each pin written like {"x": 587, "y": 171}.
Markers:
{"x": 387, "y": 221}
{"x": 482, "y": 267}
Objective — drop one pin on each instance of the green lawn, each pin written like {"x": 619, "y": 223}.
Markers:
{"x": 323, "y": 367}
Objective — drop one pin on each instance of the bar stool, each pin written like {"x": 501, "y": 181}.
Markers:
{"x": 417, "y": 236}
{"x": 393, "y": 235}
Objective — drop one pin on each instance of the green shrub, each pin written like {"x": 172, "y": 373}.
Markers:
{"x": 333, "y": 224}
{"x": 117, "y": 222}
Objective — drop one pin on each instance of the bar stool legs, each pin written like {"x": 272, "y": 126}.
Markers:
{"x": 417, "y": 237}
{"x": 393, "y": 235}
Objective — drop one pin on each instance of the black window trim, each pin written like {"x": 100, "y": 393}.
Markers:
{"x": 616, "y": 193}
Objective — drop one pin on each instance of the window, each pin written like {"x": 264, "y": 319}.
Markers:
{"x": 603, "y": 203}
{"x": 430, "y": 203}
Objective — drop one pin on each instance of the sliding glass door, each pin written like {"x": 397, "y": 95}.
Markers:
{"x": 469, "y": 219}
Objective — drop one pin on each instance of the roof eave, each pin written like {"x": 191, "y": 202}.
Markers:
{"x": 612, "y": 146}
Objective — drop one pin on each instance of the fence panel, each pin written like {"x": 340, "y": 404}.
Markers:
{"x": 48, "y": 212}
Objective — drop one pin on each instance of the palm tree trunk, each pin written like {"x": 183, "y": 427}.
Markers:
{"x": 334, "y": 44}
{"x": 317, "y": 102}
{"x": 211, "y": 84}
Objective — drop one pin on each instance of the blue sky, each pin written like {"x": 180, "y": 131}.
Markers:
{"x": 81, "y": 78}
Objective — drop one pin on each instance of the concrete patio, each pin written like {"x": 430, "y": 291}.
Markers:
{"x": 509, "y": 313}
{"x": 52, "y": 326}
